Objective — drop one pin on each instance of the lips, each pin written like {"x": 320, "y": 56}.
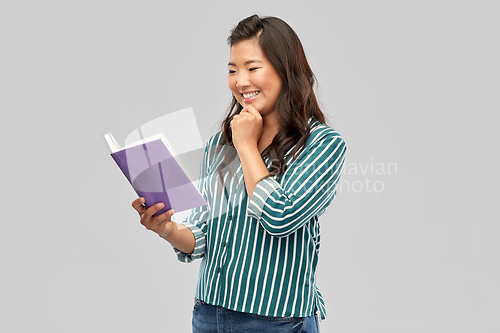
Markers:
{"x": 250, "y": 96}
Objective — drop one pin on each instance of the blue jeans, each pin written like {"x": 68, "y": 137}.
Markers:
{"x": 208, "y": 318}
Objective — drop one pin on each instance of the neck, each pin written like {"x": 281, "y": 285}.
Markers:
{"x": 270, "y": 126}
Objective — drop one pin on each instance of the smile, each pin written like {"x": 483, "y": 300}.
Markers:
{"x": 250, "y": 96}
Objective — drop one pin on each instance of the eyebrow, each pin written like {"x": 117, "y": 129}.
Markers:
{"x": 246, "y": 62}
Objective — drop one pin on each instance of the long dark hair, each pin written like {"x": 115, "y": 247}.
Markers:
{"x": 297, "y": 101}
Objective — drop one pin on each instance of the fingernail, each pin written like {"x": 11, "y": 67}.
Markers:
{"x": 172, "y": 211}
{"x": 160, "y": 205}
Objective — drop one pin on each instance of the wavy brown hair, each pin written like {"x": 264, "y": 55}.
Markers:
{"x": 297, "y": 101}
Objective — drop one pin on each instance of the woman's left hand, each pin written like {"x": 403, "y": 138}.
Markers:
{"x": 246, "y": 128}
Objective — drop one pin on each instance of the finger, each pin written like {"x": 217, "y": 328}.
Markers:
{"x": 162, "y": 218}
{"x": 234, "y": 120}
{"x": 243, "y": 111}
{"x": 138, "y": 205}
{"x": 252, "y": 110}
{"x": 241, "y": 116}
{"x": 151, "y": 211}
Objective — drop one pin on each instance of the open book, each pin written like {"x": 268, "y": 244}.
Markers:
{"x": 155, "y": 173}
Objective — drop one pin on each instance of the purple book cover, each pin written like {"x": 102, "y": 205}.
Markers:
{"x": 157, "y": 176}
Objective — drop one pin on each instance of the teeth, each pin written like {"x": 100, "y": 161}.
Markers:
{"x": 252, "y": 94}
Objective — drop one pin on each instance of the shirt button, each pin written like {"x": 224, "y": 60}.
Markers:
{"x": 224, "y": 244}
{"x": 230, "y": 218}
{"x": 218, "y": 270}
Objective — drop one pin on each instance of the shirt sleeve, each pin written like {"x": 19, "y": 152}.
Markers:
{"x": 309, "y": 186}
{"x": 198, "y": 217}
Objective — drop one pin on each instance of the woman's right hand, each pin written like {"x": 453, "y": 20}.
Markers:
{"x": 161, "y": 224}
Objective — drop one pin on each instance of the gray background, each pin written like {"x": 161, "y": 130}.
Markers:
{"x": 411, "y": 84}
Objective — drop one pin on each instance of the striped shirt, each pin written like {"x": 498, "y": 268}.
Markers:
{"x": 259, "y": 254}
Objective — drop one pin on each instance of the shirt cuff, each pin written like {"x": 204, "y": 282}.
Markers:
{"x": 199, "y": 247}
{"x": 260, "y": 195}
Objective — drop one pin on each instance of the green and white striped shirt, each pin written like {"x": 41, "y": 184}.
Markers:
{"x": 260, "y": 255}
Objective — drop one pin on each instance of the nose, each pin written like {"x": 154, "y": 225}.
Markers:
{"x": 242, "y": 80}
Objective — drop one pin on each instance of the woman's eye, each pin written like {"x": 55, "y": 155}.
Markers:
{"x": 253, "y": 68}
{"x": 231, "y": 71}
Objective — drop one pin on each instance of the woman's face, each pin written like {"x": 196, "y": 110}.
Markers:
{"x": 252, "y": 78}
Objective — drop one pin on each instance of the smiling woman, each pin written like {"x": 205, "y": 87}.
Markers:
{"x": 253, "y": 79}
{"x": 259, "y": 246}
